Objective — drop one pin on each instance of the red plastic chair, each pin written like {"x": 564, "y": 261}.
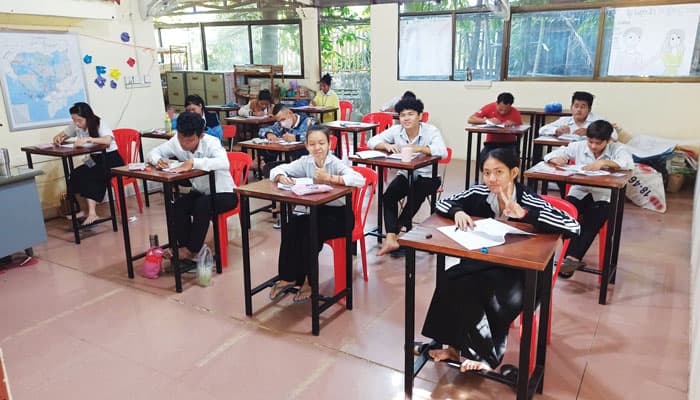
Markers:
{"x": 424, "y": 116}
{"x": 445, "y": 160}
{"x": 563, "y": 205}
{"x": 358, "y": 232}
{"x": 345, "y": 114}
{"x": 385, "y": 120}
{"x": 128, "y": 143}
{"x": 333, "y": 143}
{"x": 239, "y": 165}
{"x": 230, "y": 134}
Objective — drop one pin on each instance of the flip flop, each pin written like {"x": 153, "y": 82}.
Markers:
{"x": 510, "y": 372}
{"x": 281, "y": 290}
{"x": 301, "y": 291}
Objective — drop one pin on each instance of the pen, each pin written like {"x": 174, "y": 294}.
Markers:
{"x": 456, "y": 228}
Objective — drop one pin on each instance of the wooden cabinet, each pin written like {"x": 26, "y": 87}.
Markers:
{"x": 263, "y": 74}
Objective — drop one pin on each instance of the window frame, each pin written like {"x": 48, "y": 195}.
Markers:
{"x": 602, "y": 6}
{"x": 249, "y": 25}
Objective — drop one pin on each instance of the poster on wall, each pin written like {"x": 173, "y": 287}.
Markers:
{"x": 653, "y": 41}
{"x": 425, "y": 48}
{"x": 41, "y": 77}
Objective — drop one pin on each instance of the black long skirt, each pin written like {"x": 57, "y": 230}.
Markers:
{"x": 91, "y": 182}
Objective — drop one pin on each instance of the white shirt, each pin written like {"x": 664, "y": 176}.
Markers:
{"x": 103, "y": 130}
{"x": 428, "y": 135}
{"x": 580, "y": 152}
{"x": 305, "y": 167}
{"x": 208, "y": 156}
{"x": 549, "y": 129}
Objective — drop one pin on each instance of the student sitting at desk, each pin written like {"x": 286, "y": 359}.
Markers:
{"x": 326, "y": 98}
{"x": 576, "y": 124}
{"x": 593, "y": 204}
{"x": 503, "y": 113}
{"x": 323, "y": 167}
{"x": 193, "y": 210}
{"x": 422, "y": 138}
{"x": 290, "y": 126}
{"x": 389, "y": 106}
{"x": 90, "y": 180}
{"x": 472, "y": 312}
{"x": 258, "y": 107}
{"x": 195, "y": 104}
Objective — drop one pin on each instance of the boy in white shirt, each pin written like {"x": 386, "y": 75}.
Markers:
{"x": 193, "y": 210}
{"x": 581, "y": 117}
{"x": 593, "y": 204}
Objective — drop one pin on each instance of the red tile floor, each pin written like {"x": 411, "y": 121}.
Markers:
{"x": 75, "y": 327}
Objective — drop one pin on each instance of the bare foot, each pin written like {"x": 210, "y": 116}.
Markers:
{"x": 471, "y": 365}
{"x": 390, "y": 244}
{"x": 91, "y": 218}
{"x": 78, "y": 215}
{"x": 450, "y": 353}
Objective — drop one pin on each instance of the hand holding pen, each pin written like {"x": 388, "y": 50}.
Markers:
{"x": 463, "y": 221}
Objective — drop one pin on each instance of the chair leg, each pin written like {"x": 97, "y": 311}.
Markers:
{"x": 115, "y": 190}
{"x": 338, "y": 246}
{"x": 223, "y": 240}
{"x": 602, "y": 235}
{"x": 139, "y": 200}
{"x": 363, "y": 249}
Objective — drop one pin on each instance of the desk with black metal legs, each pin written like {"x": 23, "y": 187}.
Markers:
{"x": 168, "y": 179}
{"x": 66, "y": 154}
{"x": 336, "y": 127}
{"x": 386, "y": 162}
{"x": 616, "y": 182}
{"x": 533, "y": 254}
{"x": 150, "y": 135}
{"x": 268, "y": 190}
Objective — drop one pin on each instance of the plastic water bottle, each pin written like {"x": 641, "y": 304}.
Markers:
{"x": 469, "y": 74}
{"x": 168, "y": 125}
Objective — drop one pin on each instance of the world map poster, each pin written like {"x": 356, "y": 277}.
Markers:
{"x": 41, "y": 76}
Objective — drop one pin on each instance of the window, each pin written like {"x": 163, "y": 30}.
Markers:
{"x": 226, "y": 46}
{"x": 425, "y": 47}
{"x": 478, "y": 46}
{"x": 553, "y": 44}
{"x": 278, "y": 45}
{"x": 185, "y": 36}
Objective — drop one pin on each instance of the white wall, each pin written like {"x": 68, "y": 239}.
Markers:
{"x": 661, "y": 109}
{"x": 134, "y": 108}
{"x": 694, "y": 389}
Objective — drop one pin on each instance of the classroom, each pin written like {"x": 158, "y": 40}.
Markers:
{"x": 82, "y": 318}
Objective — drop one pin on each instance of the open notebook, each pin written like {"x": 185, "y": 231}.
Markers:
{"x": 487, "y": 233}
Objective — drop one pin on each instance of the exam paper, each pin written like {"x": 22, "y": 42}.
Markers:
{"x": 487, "y": 233}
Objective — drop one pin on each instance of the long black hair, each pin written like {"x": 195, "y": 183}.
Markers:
{"x": 506, "y": 155}
{"x": 93, "y": 121}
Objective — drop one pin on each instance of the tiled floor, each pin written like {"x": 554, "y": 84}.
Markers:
{"x": 75, "y": 327}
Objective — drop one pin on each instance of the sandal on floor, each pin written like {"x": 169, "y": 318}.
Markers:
{"x": 568, "y": 267}
{"x": 510, "y": 372}
{"x": 302, "y": 292}
{"x": 279, "y": 289}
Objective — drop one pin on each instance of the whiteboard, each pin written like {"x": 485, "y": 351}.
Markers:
{"x": 653, "y": 40}
{"x": 41, "y": 76}
{"x": 425, "y": 47}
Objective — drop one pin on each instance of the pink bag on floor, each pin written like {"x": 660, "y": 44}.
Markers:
{"x": 154, "y": 259}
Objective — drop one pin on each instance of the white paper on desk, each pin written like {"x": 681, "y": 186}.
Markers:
{"x": 397, "y": 156}
{"x": 72, "y": 145}
{"x": 369, "y": 154}
{"x": 572, "y": 137}
{"x": 285, "y": 143}
{"x": 490, "y": 125}
{"x": 297, "y": 181}
{"x": 257, "y": 116}
{"x": 487, "y": 233}
{"x": 173, "y": 165}
{"x": 578, "y": 169}
{"x": 549, "y": 169}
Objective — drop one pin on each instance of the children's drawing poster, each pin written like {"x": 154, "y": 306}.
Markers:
{"x": 653, "y": 41}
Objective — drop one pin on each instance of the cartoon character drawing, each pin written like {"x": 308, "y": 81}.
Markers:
{"x": 672, "y": 52}
{"x": 629, "y": 59}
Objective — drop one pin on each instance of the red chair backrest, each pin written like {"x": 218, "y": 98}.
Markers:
{"x": 345, "y": 110}
{"x": 229, "y": 131}
{"x": 385, "y": 120}
{"x": 358, "y": 197}
{"x": 333, "y": 142}
{"x": 448, "y": 158}
{"x": 128, "y": 143}
{"x": 424, "y": 116}
{"x": 239, "y": 165}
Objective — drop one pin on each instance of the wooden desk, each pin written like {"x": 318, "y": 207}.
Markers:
{"x": 285, "y": 149}
{"x": 150, "y": 135}
{"x": 249, "y": 126}
{"x": 539, "y": 143}
{"x": 268, "y": 190}
{"x": 336, "y": 127}
{"x": 168, "y": 179}
{"x": 222, "y": 109}
{"x": 533, "y": 254}
{"x": 386, "y": 162}
{"x": 617, "y": 185}
{"x": 66, "y": 154}
{"x": 521, "y": 132}
{"x": 319, "y": 110}
{"x": 538, "y": 117}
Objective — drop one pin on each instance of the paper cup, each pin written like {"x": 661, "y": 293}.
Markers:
{"x": 406, "y": 154}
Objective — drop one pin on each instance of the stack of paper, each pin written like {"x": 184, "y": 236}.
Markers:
{"x": 370, "y": 154}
